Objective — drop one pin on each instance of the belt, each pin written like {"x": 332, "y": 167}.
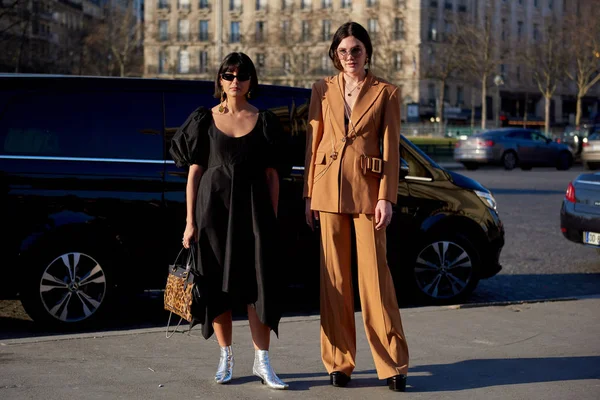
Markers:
{"x": 373, "y": 164}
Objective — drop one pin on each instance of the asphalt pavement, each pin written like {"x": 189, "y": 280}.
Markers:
{"x": 547, "y": 350}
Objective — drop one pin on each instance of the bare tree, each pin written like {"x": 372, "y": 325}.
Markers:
{"x": 116, "y": 42}
{"x": 482, "y": 54}
{"x": 546, "y": 58}
{"x": 445, "y": 64}
{"x": 583, "y": 36}
{"x": 15, "y": 20}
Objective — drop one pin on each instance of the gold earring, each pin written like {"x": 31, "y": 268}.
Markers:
{"x": 249, "y": 94}
{"x": 221, "y": 108}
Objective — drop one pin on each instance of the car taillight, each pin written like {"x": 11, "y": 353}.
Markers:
{"x": 485, "y": 143}
{"x": 570, "y": 195}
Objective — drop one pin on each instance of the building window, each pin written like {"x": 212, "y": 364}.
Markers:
{"x": 162, "y": 62}
{"x": 325, "y": 30}
{"x": 446, "y": 94}
{"x": 203, "y": 62}
{"x": 398, "y": 61}
{"x": 285, "y": 30}
{"x": 448, "y": 5}
{"x": 325, "y": 3}
{"x": 261, "y": 5}
{"x": 433, "y": 3}
{"x": 518, "y": 74}
{"x": 398, "y": 28}
{"x": 305, "y": 4}
{"x": 203, "y": 30}
{"x": 460, "y": 96}
{"x": 346, "y": 3}
{"x": 431, "y": 93}
{"x": 163, "y": 30}
{"x": 260, "y": 60}
{"x": 234, "y": 34}
{"x": 287, "y": 4}
{"x": 550, "y": 4}
{"x": 503, "y": 34}
{"x": 371, "y": 3}
{"x": 432, "y": 31}
{"x": 325, "y": 66}
{"x": 520, "y": 30}
{"x": 260, "y": 31}
{"x": 184, "y": 5}
{"x": 203, "y": 4}
{"x": 235, "y": 5}
{"x": 536, "y": 3}
{"x": 305, "y": 63}
{"x": 536, "y": 32}
{"x": 286, "y": 63}
{"x": 462, "y": 5}
{"x": 503, "y": 69}
{"x": 183, "y": 30}
{"x": 305, "y": 31}
{"x": 521, "y": 2}
{"x": 373, "y": 27}
{"x": 184, "y": 62}
{"x": 162, "y": 4}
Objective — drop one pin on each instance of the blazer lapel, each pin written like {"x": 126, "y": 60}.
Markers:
{"x": 335, "y": 99}
{"x": 366, "y": 98}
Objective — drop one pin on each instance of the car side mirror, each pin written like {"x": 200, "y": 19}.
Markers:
{"x": 404, "y": 169}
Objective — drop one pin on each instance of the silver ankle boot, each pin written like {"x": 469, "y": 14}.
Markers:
{"x": 262, "y": 368}
{"x": 225, "y": 369}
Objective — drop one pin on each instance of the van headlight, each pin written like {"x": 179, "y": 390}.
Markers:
{"x": 487, "y": 199}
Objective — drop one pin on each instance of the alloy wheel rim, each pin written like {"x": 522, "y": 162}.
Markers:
{"x": 443, "y": 270}
{"x": 73, "y": 287}
{"x": 509, "y": 160}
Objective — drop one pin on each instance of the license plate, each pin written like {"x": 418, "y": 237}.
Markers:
{"x": 591, "y": 238}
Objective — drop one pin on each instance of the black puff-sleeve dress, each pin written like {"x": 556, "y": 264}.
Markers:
{"x": 238, "y": 260}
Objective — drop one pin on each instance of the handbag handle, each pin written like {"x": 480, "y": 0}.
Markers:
{"x": 190, "y": 256}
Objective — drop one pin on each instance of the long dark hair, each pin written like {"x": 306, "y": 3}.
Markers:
{"x": 241, "y": 63}
{"x": 349, "y": 29}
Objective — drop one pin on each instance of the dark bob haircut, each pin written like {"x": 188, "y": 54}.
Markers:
{"x": 241, "y": 63}
{"x": 347, "y": 30}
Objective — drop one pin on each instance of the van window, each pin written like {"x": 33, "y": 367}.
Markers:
{"x": 121, "y": 125}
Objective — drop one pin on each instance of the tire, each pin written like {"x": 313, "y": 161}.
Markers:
{"x": 446, "y": 269}
{"x": 564, "y": 161}
{"x": 509, "y": 160}
{"x": 69, "y": 284}
{"x": 471, "y": 166}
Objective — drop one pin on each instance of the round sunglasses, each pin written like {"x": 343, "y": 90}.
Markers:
{"x": 240, "y": 77}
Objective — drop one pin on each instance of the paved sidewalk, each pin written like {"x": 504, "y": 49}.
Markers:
{"x": 525, "y": 351}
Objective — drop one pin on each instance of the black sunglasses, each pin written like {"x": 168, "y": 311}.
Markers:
{"x": 240, "y": 77}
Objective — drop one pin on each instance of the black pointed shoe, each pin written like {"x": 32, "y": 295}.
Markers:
{"x": 339, "y": 379}
{"x": 397, "y": 383}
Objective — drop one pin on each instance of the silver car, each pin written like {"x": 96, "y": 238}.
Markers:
{"x": 590, "y": 153}
{"x": 512, "y": 147}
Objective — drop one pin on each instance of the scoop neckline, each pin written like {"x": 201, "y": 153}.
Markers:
{"x": 235, "y": 137}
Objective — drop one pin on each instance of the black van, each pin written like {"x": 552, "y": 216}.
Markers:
{"x": 92, "y": 204}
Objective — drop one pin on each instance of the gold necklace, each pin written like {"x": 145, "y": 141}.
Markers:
{"x": 349, "y": 92}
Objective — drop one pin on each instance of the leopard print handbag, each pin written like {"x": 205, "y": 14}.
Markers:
{"x": 179, "y": 288}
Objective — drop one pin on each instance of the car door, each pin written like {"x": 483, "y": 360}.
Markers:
{"x": 545, "y": 153}
{"x": 524, "y": 146}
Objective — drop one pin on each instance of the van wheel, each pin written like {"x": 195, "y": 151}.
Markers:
{"x": 446, "y": 269}
{"x": 509, "y": 160}
{"x": 69, "y": 285}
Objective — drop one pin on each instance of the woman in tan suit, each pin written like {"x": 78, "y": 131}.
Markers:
{"x": 351, "y": 177}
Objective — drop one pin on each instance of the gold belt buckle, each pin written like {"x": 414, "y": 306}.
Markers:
{"x": 376, "y": 164}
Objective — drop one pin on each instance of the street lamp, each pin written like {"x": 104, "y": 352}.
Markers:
{"x": 498, "y": 81}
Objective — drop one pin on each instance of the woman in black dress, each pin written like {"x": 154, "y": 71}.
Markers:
{"x": 235, "y": 157}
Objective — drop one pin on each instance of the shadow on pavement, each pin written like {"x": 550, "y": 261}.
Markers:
{"x": 147, "y": 311}
{"x": 471, "y": 374}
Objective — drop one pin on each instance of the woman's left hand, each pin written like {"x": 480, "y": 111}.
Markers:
{"x": 383, "y": 214}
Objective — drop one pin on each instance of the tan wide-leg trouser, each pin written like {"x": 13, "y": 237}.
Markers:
{"x": 379, "y": 305}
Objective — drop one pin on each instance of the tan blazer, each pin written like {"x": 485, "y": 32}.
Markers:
{"x": 340, "y": 185}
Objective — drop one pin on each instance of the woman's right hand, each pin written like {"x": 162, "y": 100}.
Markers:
{"x": 311, "y": 216}
{"x": 190, "y": 235}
